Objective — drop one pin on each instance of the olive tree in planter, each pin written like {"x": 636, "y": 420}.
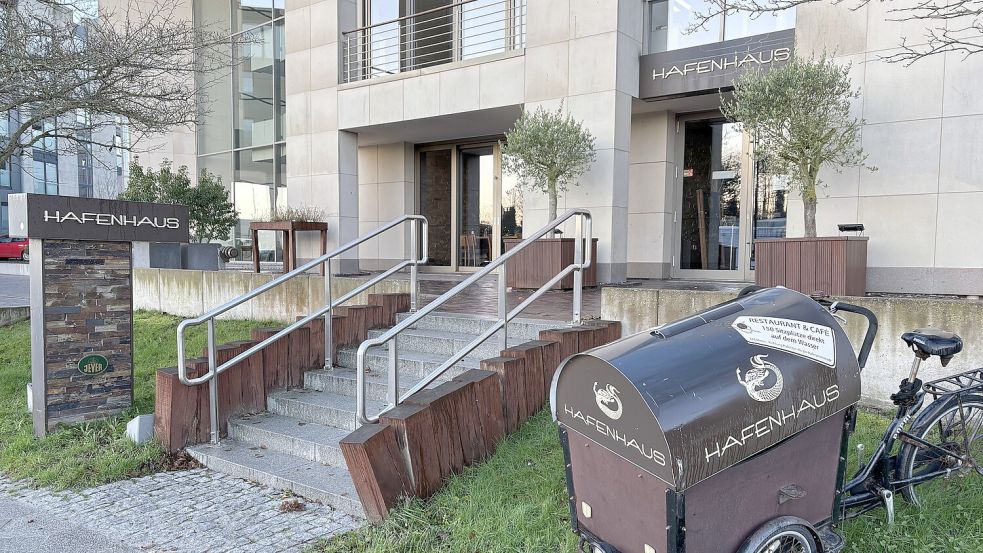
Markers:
{"x": 798, "y": 116}
{"x": 211, "y": 213}
{"x": 547, "y": 151}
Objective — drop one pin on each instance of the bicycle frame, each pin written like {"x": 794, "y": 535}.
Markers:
{"x": 862, "y": 493}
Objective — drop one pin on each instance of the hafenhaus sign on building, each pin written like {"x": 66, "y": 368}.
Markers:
{"x": 82, "y": 299}
{"x": 710, "y": 67}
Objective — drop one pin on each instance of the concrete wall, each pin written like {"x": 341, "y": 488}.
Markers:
{"x": 651, "y": 201}
{"x": 11, "y": 315}
{"x": 191, "y": 293}
{"x": 640, "y": 309}
{"x": 924, "y": 142}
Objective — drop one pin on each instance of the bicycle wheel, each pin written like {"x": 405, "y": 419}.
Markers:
{"x": 956, "y": 426}
{"x": 782, "y": 535}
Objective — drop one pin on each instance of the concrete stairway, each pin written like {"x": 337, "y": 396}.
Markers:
{"x": 295, "y": 445}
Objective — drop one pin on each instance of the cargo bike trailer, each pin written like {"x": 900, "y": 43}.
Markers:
{"x": 728, "y": 430}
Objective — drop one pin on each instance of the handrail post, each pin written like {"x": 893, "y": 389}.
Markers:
{"x": 212, "y": 382}
{"x": 503, "y": 305}
{"x": 392, "y": 392}
{"x": 578, "y": 274}
{"x": 328, "y": 319}
{"x": 415, "y": 245}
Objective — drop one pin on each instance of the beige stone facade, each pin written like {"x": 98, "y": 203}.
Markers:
{"x": 353, "y": 144}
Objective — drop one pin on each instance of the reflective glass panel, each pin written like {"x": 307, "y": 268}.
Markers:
{"x": 483, "y": 26}
{"x": 253, "y": 192}
{"x": 255, "y": 106}
{"x": 476, "y": 210}
{"x": 435, "y": 202}
{"x": 669, "y": 20}
{"x": 743, "y": 24}
{"x": 252, "y": 13}
{"x": 710, "y": 226}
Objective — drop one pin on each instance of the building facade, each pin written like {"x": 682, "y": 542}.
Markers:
{"x": 370, "y": 109}
{"x": 57, "y": 166}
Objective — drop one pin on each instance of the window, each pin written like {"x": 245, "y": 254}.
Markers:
{"x": 668, "y": 23}
{"x": 240, "y": 138}
{"x": 4, "y": 221}
{"x": 45, "y": 176}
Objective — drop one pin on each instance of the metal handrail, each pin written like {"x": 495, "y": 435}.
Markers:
{"x": 581, "y": 262}
{"x": 209, "y": 317}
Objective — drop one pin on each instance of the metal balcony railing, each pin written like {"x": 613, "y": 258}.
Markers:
{"x": 462, "y": 30}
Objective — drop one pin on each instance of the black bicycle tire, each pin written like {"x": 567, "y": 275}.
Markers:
{"x": 774, "y": 528}
{"x": 922, "y": 425}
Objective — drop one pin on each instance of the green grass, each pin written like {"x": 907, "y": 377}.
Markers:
{"x": 97, "y": 452}
{"x": 516, "y": 501}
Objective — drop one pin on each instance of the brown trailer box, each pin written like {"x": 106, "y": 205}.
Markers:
{"x": 689, "y": 437}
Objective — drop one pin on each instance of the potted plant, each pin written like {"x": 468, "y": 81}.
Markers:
{"x": 211, "y": 213}
{"x": 547, "y": 151}
{"x": 289, "y": 221}
{"x": 798, "y": 117}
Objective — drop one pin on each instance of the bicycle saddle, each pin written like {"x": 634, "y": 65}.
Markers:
{"x": 932, "y": 341}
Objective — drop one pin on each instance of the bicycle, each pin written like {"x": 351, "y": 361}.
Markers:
{"x": 938, "y": 442}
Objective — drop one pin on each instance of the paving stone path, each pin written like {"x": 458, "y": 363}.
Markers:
{"x": 195, "y": 510}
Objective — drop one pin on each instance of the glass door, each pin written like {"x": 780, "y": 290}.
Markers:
{"x": 436, "y": 198}
{"x": 461, "y": 194}
{"x": 711, "y": 218}
{"x": 724, "y": 201}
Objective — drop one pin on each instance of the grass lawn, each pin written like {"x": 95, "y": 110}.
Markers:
{"x": 97, "y": 452}
{"x": 516, "y": 501}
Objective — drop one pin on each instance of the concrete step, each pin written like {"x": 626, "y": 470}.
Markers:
{"x": 445, "y": 342}
{"x": 330, "y": 485}
{"x": 526, "y": 329}
{"x": 307, "y": 440}
{"x": 341, "y": 381}
{"x": 319, "y": 407}
{"x": 413, "y": 365}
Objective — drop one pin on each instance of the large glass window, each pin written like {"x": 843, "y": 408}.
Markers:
{"x": 5, "y": 166}
{"x": 4, "y": 223}
{"x": 669, "y": 22}
{"x": 241, "y": 138}
{"x": 45, "y": 176}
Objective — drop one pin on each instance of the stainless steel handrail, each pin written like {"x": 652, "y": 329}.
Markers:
{"x": 419, "y": 228}
{"x": 581, "y": 262}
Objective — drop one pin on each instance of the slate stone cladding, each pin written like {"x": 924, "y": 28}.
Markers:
{"x": 88, "y": 297}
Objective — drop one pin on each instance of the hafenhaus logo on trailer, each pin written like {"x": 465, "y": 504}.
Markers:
{"x": 608, "y": 401}
{"x": 763, "y": 381}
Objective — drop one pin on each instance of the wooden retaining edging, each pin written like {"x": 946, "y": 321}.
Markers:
{"x": 438, "y": 432}
{"x": 183, "y": 415}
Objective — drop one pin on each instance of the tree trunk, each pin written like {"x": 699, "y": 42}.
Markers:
{"x": 552, "y": 196}
{"x": 809, "y": 201}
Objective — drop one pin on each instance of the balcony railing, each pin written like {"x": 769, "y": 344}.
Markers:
{"x": 459, "y": 31}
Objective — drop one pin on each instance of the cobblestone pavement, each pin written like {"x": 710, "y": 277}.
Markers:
{"x": 196, "y": 510}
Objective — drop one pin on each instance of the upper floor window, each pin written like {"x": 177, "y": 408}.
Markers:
{"x": 668, "y": 24}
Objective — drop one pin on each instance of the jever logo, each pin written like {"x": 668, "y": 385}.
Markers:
{"x": 608, "y": 401}
{"x": 763, "y": 381}
{"x": 93, "y": 364}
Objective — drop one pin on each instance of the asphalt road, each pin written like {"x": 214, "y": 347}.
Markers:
{"x": 15, "y": 291}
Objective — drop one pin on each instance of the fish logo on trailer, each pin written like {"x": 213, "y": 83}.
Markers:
{"x": 607, "y": 398}
{"x": 763, "y": 381}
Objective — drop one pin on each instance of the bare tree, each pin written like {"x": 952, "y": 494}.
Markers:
{"x": 951, "y": 25}
{"x": 68, "y": 70}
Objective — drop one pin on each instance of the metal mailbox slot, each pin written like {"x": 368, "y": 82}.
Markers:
{"x": 690, "y": 436}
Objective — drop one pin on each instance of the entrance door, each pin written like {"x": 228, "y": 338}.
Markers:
{"x": 461, "y": 194}
{"x": 723, "y": 201}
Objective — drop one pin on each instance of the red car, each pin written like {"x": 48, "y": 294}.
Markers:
{"x": 13, "y": 248}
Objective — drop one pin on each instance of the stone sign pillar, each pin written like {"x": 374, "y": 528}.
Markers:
{"x": 81, "y": 271}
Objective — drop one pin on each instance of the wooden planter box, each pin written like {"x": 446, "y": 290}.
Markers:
{"x": 834, "y": 265}
{"x": 542, "y": 260}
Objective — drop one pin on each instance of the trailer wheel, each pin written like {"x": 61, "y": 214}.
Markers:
{"x": 782, "y": 535}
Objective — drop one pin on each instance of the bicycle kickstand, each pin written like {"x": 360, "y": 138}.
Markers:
{"x": 887, "y": 497}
